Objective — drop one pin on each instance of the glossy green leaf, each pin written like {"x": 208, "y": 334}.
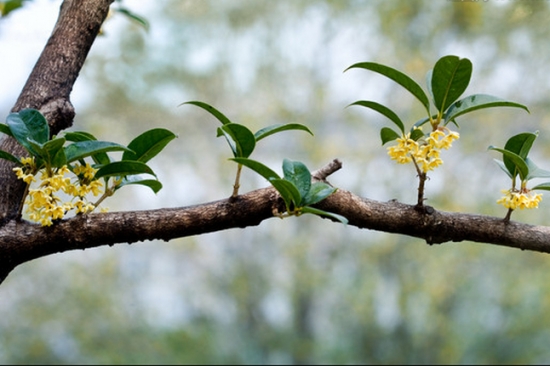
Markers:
{"x": 154, "y": 184}
{"x": 387, "y": 135}
{"x": 270, "y": 130}
{"x": 7, "y": 156}
{"x": 519, "y": 144}
{"x": 382, "y": 110}
{"x": 543, "y": 186}
{"x": 429, "y": 75}
{"x": 240, "y": 139}
{"x": 318, "y": 212}
{"x": 123, "y": 168}
{"x": 299, "y": 175}
{"x": 148, "y": 144}
{"x": 213, "y": 111}
{"x": 535, "y": 171}
{"x": 258, "y": 167}
{"x": 5, "y": 129}
{"x": 54, "y": 153}
{"x": 100, "y": 158}
{"x": 318, "y": 192}
{"x": 475, "y": 102}
{"x": 417, "y": 134}
{"x": 28, "y": 124}
{"x": 81, "y": 149}
{"x": 288, "y": 192}
{"x": 76, "y": 136}
{"x": 516, "y": 164}
{"x": 450, "y": 78}
{"x": 399, "y": 77}
{"x": 503, "y": 167}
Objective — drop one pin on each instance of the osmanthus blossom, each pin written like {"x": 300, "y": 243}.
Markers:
{"x": 425, "y": 151}
{"x": 43, "y": 203}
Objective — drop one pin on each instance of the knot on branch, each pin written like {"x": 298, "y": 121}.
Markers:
{"x": 59, "y": 113}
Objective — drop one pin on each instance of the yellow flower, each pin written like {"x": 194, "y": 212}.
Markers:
{"x": 513, "y": 199}
{"x": 425, "y": 152}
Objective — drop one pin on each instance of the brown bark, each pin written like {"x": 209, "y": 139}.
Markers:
{"x": 24, "y": 241}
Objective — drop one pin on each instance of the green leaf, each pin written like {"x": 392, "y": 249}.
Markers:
{"x": 450, "y": 78}
{"x": 132, "y": 16}
{"x": 213, "y": 111}
{"x": 298, "y": 174}
{"x": 10, "y": 157}
{"x": 54, "y": 154}
{"x": 516, "y": 165}
{"x": 387, "y": 135}
{"x": 76, "y": 136}
{"x": 288, "y": 192}
{"x": 519, "y": 144}
{"x": 28, "y": 124}
{"x": 399, "y": 78}
{"x": 270, "y": 130}
{"x": 318, "y": 192}
{"x": 535, "y": 171}
{"x": 154, "y": 184}
{"x": 383, "y": 110}
{"x": 81, "y": 149}
{"x": 503, "y": 167}
{"x": 543, "y": 186}
{"x": 5, "y": 129}
{"x": 240, "y": 139}
{"x": 258, "y": 167}
{"x": 475, "y": 102}
{"x": 423, "y": 121}
{"x": 9, "y": 6}
{"x": 100, "y": 158}
{"x": 148, "y": 144}
{"x": 416, "y": 134}
{"x": 123, "y": 168}
{"x": 316, "y": 211}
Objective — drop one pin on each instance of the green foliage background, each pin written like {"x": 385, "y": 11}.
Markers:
{"x": 299, "y": 290}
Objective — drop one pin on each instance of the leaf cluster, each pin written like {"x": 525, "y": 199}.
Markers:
{"x": 516, "y": 162}
{"x": 31, "y": 130}
{"x": 446, "y": 82}
{"x": 295, "y": 187}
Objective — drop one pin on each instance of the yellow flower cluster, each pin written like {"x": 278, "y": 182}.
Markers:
{"x": 43, "y": 203}
{"x": 513, "y": 199}
{"x": 425, "y": 151}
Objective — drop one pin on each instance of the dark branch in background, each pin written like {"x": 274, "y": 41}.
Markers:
{"x": 23, "y": 241}
{"x": 50, "y": 83}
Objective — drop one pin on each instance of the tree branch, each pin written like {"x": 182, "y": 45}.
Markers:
{"x": 23, "y": 241}
{"x": 50, "y": 83}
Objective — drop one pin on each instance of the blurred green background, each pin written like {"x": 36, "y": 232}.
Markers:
{"x": 300, "y": 290}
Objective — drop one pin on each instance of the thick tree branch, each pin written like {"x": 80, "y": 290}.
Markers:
{"x": 50, "y": 83}
{"x": 23, "y": 241}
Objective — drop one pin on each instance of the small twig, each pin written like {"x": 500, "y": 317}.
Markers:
{"x": 237, "y": 185}
{"x": 508, "y": 215}
{"x": 324, "y": 172}
{"x": 421, "y": 182}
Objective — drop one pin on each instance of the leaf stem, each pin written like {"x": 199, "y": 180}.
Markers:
{"x": 422, "y": 176}
{"x": 508, "y": 215}
{"x": 22, "y": 204}
{"x": 236, "y": 186}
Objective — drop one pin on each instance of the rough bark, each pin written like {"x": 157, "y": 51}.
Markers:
{"x": 23, "y": 241}
{"x": 48, "y": 90}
